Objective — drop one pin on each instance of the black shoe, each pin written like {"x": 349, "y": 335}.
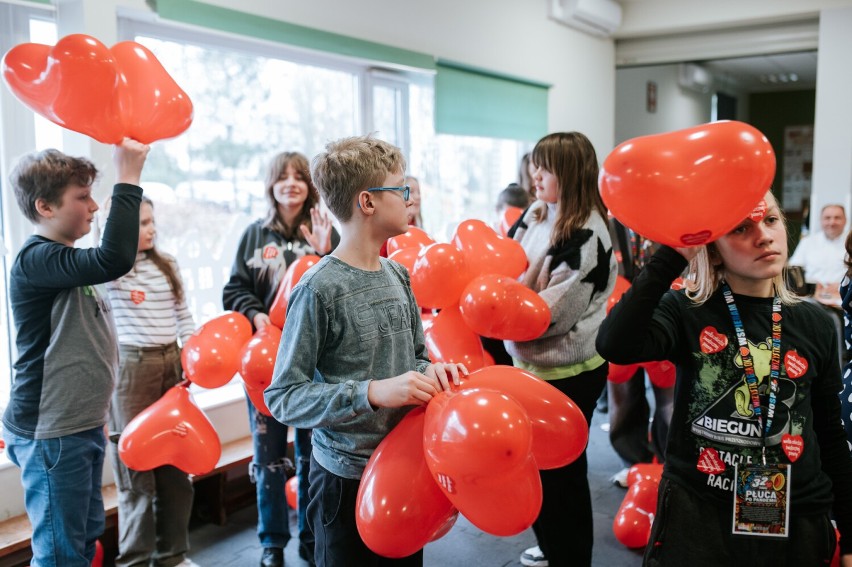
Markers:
{"x": 272, "y": 557}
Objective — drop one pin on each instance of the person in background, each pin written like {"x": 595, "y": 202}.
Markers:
{"x": 757, "y": 458}
{"x": 512, "y": 196}
{"x": 821, "y": 255}
{"x": 53, "y": 426}
{"x": 526, "y": 171}
{"x": 353, "y": 358}
{"x": 150, "y": 312}
{"x": 293, "y": 227}
{"x": 571, "y": 266}
{"x": 414, "y": 216}
{"x": 628, "y": 405}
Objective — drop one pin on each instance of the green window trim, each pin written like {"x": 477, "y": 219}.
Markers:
{"x": 475, "y": 102}
{"x": 232, "y": 21}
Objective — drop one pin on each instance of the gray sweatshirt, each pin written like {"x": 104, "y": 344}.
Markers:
{"x": 345, "y": 327}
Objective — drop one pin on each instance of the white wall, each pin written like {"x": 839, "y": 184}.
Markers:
{"x": 832, "y": 178}
{"x": 654, "y": 17}
{"x": 677, "y": 107}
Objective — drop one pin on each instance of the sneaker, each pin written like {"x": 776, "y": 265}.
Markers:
{"x": 620, "y": 478}
{"x": 187, "y": 562}
{"x": 533, "y": 557}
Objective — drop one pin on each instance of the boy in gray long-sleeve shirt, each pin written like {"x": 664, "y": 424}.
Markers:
{"x": 353, "y": 360}
{"x": 67, "y": 351}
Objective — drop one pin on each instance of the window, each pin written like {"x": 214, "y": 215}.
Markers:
{"x": 250, "y": 102}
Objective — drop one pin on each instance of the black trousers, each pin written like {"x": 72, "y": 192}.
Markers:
{"x": 689, "y": 530}
{"x": 628, "y": 420}
{"x": 331, "y": 517}
{"x": 564, "y": 527}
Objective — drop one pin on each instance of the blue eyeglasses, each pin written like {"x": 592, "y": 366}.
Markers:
{"x": 406, "y": 191}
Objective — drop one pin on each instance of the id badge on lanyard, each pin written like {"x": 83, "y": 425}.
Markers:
{"x": 761, "y": 491}
{"x": 762, "y": 500}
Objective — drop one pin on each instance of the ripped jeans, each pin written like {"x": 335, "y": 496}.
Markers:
{"x": 270, "y": 470}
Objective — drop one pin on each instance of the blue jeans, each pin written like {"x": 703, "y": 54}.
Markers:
{"x": 269, "y": 475}
{"x": 62, "y": 492}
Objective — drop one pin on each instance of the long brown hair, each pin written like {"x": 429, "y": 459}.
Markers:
{"x": 273, "y": 220}
{"x": 571, "y": 157}
{"x": 165, "y": 264}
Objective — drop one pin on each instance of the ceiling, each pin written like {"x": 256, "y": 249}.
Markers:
{"x": 766, "y": 73}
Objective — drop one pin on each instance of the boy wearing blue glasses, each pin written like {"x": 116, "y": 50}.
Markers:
{"x": 352, "y": 360}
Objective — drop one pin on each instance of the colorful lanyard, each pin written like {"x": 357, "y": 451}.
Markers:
{"x": 748, "y": 361}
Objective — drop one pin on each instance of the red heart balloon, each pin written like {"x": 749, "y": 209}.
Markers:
{"x": 172, "y": 431}
{"x": 662, "y": 374}
{"x": 211, "y": 356}
{"x": 258, "y": 358}
{"x": 406, "y": 257}
{"x": 449, "y": 339}
{"x": 474, "y": 432}
{"x": 632, "y": 525}
{"x": 500, "y": 307}
{"x": 72, "y": 84}
{"x": 691, "y": 186}
{"x": 645, "y": 471}
{"x": 502, "y": 504}
{"x": 618, "y": 373}
{"x": 508, "y": 218}
{"x": 291, "y": 491}
{"x": 488, "y": 252}
{"x": 440, "y": 274}
{"x": 294, "y": 273}
{"x": 415, "y": 237}
{"x": 104, "y": 93}
{"x": 256, "y": 398}
{"x": 559, "y": 429}
{"x": 399, "y": 508}
{"x": 621, "y": 285}
{"x": 152, "y": 105}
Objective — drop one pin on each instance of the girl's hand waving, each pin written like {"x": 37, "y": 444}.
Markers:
{"x": 319, "y": 237}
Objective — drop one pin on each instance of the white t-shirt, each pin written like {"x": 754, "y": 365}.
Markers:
{"x": 821, "y": 258}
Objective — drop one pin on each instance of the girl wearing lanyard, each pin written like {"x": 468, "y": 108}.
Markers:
{"x": 756, "y": 452}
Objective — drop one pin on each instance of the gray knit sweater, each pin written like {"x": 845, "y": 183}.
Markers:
{"x": 575, "y": 278}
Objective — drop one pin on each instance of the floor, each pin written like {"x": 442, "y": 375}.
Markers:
{"x": 235, "y": 544}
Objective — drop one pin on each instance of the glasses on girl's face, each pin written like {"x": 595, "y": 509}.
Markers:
{"x": 406, "y": 191}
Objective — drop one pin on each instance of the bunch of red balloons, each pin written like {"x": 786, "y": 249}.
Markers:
{"x": 632, "y": 524}
{"x": 105, "y": 93}
{"x": 473, "y": 282}
{"x": 691, "y": 186}
{"x": 475, "y": 449}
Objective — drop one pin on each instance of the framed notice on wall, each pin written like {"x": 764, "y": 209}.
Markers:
{"x": 798, "y": 166}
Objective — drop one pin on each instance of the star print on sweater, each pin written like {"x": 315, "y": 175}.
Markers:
{"x": 599, "y": 275}
{"x": 568, "y": 251}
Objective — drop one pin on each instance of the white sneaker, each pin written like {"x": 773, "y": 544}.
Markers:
{"x": 620, "y": 478}
{"x": 533, "y": 557}
{"x": 187, "y": 562}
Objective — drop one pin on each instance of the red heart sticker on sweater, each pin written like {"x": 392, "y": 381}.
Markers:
{"x": 709, "y": 462}
{"x": 712, "y": 340}
{"x": 792, "y": 446}
{"x": 137, "y": 296}
{"x": 796, "y": 364}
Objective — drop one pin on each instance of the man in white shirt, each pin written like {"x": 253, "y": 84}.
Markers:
{"x": 822, "y": 255}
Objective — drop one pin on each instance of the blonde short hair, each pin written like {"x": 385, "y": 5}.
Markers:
{"x": 351, "y": 165}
